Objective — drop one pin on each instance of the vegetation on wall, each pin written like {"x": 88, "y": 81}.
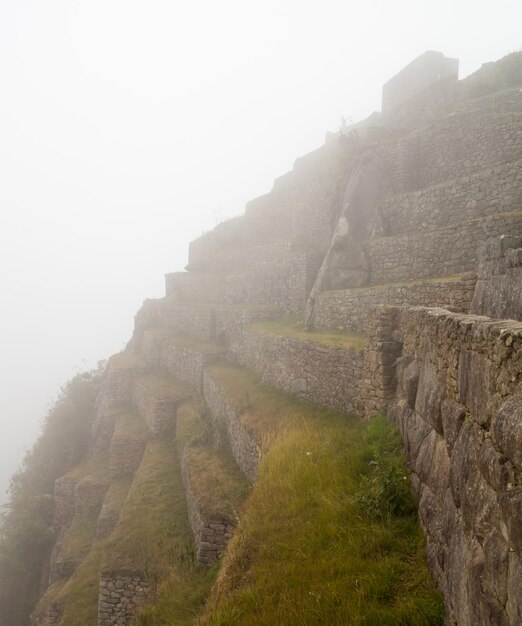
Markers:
{"x": 26, "y": 535}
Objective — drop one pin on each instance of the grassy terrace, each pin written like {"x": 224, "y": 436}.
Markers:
{"x": 262, "y": 410}
{"x": 166, "y": 387}
{"x": 219, "y": 486}
{"x": 329, "y": 535}
{"x": 94, "y": 470}
{"x": 292, "y": 326}
{"x": 153, "y": 527}
{"x": 184, "y": 341}
{"x": 129, "y": 424}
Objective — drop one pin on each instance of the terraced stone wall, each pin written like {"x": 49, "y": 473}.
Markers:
{"x": 187, "y": 364}
{"x": 462, "y": 144}
{"x": 285, "y": 284}
{"x": 435, "y": 253}
{"x": 485, "y": 193}
{"x": 245, "y": 449}
{"x": 351, "y": 309}
{"x": 211, "y": 535}
{"x": 459, "y": 406}
{"x": 499, "y": 288}
{"x": 119, "y": 598}
{"x": 326, "y": 375}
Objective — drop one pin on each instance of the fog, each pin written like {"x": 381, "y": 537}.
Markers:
{"x": 128, "y": 128}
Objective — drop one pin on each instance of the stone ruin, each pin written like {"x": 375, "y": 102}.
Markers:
{"x": 408, "y": 232}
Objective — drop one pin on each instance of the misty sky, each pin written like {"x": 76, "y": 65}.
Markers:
{"x": 128, "y": 128}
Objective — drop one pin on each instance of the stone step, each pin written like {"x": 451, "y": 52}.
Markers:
{"x": 436, "y": 253}
{"x": 214, "y": 486}
{"x": 490, "y": 191}
{"x": 156, "y": 398}
{"x": 351, "y": 309}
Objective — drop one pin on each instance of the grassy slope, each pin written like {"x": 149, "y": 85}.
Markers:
{"x": 329, "y": 535}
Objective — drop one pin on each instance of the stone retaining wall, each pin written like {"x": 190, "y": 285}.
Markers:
{"x": 435, "y": 253}
{"x": 491, "y": 191}
{"x": 187, "y": 363}
{"x": 285, "y": 285}
{"x": 120, "y": 376}
{"x": 499, "y": 288}
{"x": 350, "y": 309}
{"x": 459, "y": 406}
{"x": 158, "y": 410}
{"x": 88, "y": 497}
{"x": 125, "y": 455}
{"x": 325, "y": 375}
{"x": 211, "y": 533}
{"x": 120, "y": 597}
{"x": 64, "y": 501}
{"x": 225, "y": 421}
{"x": 461, "y": 144}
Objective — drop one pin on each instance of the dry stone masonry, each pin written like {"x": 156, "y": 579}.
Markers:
{"x": 119, "y": 598}
{"x": 408, "y": 228}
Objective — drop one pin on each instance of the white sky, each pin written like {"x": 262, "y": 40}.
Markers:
{"x": 127, "y": 128}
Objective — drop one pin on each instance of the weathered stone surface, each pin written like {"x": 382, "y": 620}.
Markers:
{"x": 245, "y": 449}
{"x": 119, "y": 598}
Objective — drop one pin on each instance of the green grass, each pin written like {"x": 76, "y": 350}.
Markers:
{"x": 94, "y": 470}
{"x": 191, "y": 426}
{"x": 292, "y": 326}
{"x": 115, "y": 497}
{"x": 166, "y": 387}
{"x": 262, "y": 410}
{"x": 79, "y": 596}
{"x": 78, "y": 539}
{"x": 129, "y": 424}
{"x": 153, "y": 529}
{"x": 219, "y": 486}
{"x": 329, "y": 535}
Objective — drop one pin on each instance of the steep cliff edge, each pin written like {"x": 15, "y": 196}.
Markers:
{"x": 228, "y": 477}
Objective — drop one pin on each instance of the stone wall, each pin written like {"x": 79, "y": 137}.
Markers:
{"x": 351, "y": 309}
{"x": 226, "y": 422}
{"x": 121, "y": 370}
{"x": 211, "y": 533}
{"x": 88, "y": 497}
{"x": 427, "y": 69}
{"x": 436, "y": 253}
{"x": 157, "y": 407}
{"x": 326, "y": 375}
{"x": 491, "y": 191}
{"x": 64, "y": 501}
{"x": 125, "y": 455}
{"x": 462, "y": 144}
{"x": 499, "y": 289}
{"x": 120, "y": 596}
{"x": 187, "y": 363}
{"x": 285, "y": 285}
{"x": 459, "y": 406}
